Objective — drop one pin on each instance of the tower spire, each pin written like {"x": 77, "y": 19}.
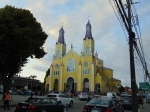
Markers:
{"x": 61, "y": 35}
{"x": 88, "y": 33}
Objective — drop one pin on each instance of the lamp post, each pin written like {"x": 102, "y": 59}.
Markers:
{"x": 32, "y": 76}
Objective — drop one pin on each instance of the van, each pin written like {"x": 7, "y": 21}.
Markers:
{"x": 1, "y": 88}
{"x": 112, "y": 95}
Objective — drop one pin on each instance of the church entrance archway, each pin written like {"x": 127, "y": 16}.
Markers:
{"x": 55, "y": 85}
{"x": 97, "y": 88}
{"x": 70, "y": 86}
{"x": 86, "y": 85}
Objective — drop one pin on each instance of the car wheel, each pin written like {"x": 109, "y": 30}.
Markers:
{"x": 64, "y": 109}
{"x": 43, "y": 111}
{"x": 71, "y": 103}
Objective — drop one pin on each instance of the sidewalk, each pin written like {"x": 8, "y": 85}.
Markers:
{"x": 14, "y": 101}
{"x": 146, "y": 108}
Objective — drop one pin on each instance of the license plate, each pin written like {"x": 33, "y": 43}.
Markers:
{"x": 95, "y": 111}
{"x": 125, "y": 101}
{"x": 23, "y": 106}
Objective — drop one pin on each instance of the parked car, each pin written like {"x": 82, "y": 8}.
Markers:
{"x": 126, "y": 101}
{"x": 1, "y": 88}
{"x": 28, "y": 92}
{"x": 40, "y": 104}
{"x": 70, "y": 94}
{"x": 123, "y": 93}
{"x": 103, "y": 104}
{"x": 64, "y": 99}
{"x": 17, "y": 93}
{"x": 148, "y": 98}
{"x": 83, "y": 96}
{"x": 140, "y": 98}
{"x": 112, "y": 95}
{"x": 10, "y": 91}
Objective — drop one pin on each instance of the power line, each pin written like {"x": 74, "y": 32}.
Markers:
{"x": 120, "y": 21}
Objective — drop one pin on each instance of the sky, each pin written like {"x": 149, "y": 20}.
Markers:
{"x": 111, "y": 43}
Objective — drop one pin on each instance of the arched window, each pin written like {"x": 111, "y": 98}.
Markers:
{"x": 86, "y": 71}
{"x": 71, "y": 65}
{"x": 86, "y": 50}
{"x": 58, "y": 53}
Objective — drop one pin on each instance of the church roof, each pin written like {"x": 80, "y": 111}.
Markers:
{"x": 105, "y": 68}
{"x": 88, "y": 33}
{"x": 61, "y": 36}
{"x": 115, "y": 79}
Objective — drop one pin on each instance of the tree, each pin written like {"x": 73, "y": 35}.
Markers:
{"x": 47, "y": 74}
{"x": 121, "y": 88}
{"x": 21, "y": 37}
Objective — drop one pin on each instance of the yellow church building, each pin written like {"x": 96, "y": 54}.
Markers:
{"x": 73, "y": 72}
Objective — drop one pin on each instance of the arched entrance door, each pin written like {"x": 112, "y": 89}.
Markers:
{"x": 97, "y": 88}
{"x": 86, "y": 85}
{"x": 55, "y": 85}
{"x": 70, "y": 85}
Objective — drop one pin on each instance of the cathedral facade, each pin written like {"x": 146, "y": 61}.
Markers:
{"x": 73, "y": 72}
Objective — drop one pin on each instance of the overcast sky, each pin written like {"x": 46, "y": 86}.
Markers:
{"x": 111, "y": 43}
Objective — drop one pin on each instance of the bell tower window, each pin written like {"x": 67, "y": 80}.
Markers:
{"x": 87, "y": 50}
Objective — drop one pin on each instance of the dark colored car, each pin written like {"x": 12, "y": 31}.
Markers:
{"x": 140, "y": 98}
{"x": 40, "y": 104}
{"x": 126, "y": 101}
{"x": 17, "y": 93}
{"x": 103, "y": 104}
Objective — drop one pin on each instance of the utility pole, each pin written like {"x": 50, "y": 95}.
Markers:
{"x": 126, "y": 19}
{"x": 132, "y": 66}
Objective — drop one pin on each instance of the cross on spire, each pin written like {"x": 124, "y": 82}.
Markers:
{"x": 71, "y": 46}
{"x": 88, "y": 17}
{"x": 62, "y": 24}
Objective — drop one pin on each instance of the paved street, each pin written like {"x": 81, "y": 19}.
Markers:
{"x": 77, "y": 107}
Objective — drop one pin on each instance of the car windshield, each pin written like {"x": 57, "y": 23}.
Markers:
{"x": 99, "y": 101}
{"x": 126, "y": 97}
{"x": 84, "y": 94}
{"x": 51, "y": 95}
{"x": 33, "y": 100}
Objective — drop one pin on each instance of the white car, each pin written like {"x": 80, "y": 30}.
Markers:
{"x": 64, "y": 99}
{"x": 83, "y": 96}
{"x": 112, "y": 95}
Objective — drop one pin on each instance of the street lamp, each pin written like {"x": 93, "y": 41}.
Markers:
{"x": 32, "y": 76}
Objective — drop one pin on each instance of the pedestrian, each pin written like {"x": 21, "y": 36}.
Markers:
{"x": 6, "y": 98}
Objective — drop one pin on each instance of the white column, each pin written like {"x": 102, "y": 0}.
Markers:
{"x": 50, "y": 78}
{"x": 92, "y": 76}
{"x": 60, "y": 77}
{"x": 79, "y": 77}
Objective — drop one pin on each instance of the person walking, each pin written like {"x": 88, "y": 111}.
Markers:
{"x": 6, "y": 98}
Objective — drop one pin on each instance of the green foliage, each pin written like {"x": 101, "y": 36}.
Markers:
{"x": 21, "y": 37}
{"x": 121, "y": 89}
{"x": 47, "y": 74}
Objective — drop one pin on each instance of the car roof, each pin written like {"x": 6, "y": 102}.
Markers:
{"x": 56, "y": 94}
{"x": 39, "y": 97}
{"x": 101, "y": 97}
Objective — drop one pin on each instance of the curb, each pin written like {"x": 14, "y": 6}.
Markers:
{"x": 12, "y": 105}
